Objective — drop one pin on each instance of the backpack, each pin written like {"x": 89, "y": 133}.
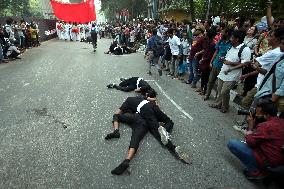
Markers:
{"x": 158, "y": 47}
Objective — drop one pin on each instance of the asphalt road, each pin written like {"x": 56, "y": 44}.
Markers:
{"x": 55, "y": 111}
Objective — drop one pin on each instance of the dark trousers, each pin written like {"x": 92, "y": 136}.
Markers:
{"x": 204, "y": 79}
{"x": 127, "y": 85}
{"x": 249, "y": 82}
{"x": 153, "y": 115}
{"x": 22, "y": 42}
{"x": 14, "y": 54}
{"x": 138, "y": 125}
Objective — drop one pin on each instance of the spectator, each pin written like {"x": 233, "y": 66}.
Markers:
{"x": 8, "y": 31}
{"x": 28, "y": 37}
{"x": 261, "y": 65}
{"x": 13, "y": 52}
{"x": 272, "y": 86}
{"x": 195, "y": 55}
{"x": 231, "y": 70}
{"x": 155, "y": 50}
{"x": 204, "y": 64}
{"x": 175, "y": 45}
{"x": 2, "y": 45}
{"x": 256, "y": 152}
{"x": 216, "y": 62}
{"x": 250, "y": 41}
{"x": 186, "y": 47}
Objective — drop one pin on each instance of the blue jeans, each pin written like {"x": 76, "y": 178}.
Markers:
{"x": 193, "y": 71}
{"x": 244, "y": 153}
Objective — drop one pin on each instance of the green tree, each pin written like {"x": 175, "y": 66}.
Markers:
{"x": 20, "y": 8}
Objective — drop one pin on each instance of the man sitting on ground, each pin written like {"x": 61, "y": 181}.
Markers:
{"x": 13, "y": 52}
{"x": 262, "y": 147}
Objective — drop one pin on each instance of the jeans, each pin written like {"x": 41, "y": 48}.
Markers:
{"x": 154, "y": 60}
{"x": 245, "y": 154}
{"x": 174, "y": 66}
{"x": 193, "y": 71}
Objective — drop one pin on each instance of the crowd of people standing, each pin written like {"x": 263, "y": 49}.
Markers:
{"x": 16, "y": 37}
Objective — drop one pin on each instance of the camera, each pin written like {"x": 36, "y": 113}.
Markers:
{"x": 247, "y": 112}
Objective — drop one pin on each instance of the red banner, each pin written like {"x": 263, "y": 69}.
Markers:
{"x": 75, "y": 12}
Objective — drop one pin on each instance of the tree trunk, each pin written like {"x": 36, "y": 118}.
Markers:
{"x": 192, "y": 9}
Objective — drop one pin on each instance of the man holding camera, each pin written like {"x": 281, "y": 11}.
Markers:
{"x": 262, "y": 146}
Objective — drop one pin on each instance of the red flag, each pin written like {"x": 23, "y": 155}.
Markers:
{"x": 75, "y": 12}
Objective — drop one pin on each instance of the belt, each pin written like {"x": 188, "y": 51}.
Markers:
{"x": 138, "y": 81}
{"x": 141, "y": 105}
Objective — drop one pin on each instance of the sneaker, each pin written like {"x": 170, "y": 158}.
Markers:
{"x": 241, "y": 128}
{"x": 122, "y": 79}
{"x": 149, "y": 73}
{"x": 164, "y": 135}
{"x": 183, "y": 156}
{"x": 160, "y": 72}
{"x": 255, "y": 175}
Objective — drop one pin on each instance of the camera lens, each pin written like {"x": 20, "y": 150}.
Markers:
{"x": 243, "y": 112}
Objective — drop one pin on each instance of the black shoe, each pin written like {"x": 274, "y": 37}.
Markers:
{"x": 115, "y": 134}
{"x": 121, "y": 168}
{"x": 122, "y": 79}
{"x": 149, "y": 73}
{"x": 160, "y": 72}
{"x": 110, "y": 86}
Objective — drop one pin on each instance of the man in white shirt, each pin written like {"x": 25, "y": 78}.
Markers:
{"x": 175, "y": 46}
{"x": 237, "y": 57}
{"x": 262, "y": 65}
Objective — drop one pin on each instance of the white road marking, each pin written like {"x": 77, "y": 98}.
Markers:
{"x": 172, "y": 101}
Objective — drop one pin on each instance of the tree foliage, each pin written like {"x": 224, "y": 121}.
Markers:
{"x": 135, "y": 7}
{"x": 20, "y": 8}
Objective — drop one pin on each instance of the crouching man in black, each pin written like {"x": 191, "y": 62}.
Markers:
{"x": 146, "y": 119}
{"x": 136, "y": 84}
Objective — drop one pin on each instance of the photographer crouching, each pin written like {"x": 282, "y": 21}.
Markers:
{"x": 262, "y": 147}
